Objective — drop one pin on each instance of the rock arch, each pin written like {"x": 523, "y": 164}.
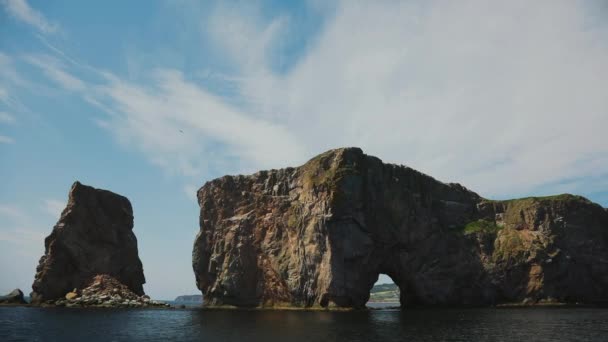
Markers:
{"x": 319, "y": 234}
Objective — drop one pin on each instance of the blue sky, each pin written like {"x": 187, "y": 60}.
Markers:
{"x": 508, "y": 98}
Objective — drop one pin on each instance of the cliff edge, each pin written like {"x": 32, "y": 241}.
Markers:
{"x": 320, "y": 234}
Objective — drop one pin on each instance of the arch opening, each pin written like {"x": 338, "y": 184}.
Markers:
{"x": 385, "y": 293}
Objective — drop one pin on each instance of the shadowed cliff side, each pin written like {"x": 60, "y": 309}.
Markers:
{"x": 320, "y": 234}
{"x": 93, "y": 236}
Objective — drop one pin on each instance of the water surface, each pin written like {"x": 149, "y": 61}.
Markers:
{"x": 505, "y": 324}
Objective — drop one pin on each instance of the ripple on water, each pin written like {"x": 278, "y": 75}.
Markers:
{"x": 515, "y": 324}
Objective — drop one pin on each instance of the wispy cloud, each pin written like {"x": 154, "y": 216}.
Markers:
{"x": 6, "y": 118}
{"x": 3, "y": 94}
{"x": 53, "y": 207}
{"x": 473, "y": 93}
{"x": 12, "y": 213}
{"x": 174, "y": 121}
{"x": 8, "y": 72}
{"x": 17, "y": 227}
{"x": 504, "y": 98}
{"x": 21, "y": 10}
{"x": 23, "y": 236}
{"x": 10, "y": 81}
{"x": 6, "y": 140}
{"x": 190, "y": 191}
{"x": 238, "y": 28}
{"x": 56, "y": 72}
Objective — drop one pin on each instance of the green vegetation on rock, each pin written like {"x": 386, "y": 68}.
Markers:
{"x": 485, "y": 226}
{"x": 511, "y": 246}
{"x": 386, "y": 293}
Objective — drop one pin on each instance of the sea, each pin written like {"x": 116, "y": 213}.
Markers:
{"x": 380, "y": 324}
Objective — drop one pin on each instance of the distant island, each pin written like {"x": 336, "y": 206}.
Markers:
{"x": 189, "y": 299}
{"x": 384, "y": 293}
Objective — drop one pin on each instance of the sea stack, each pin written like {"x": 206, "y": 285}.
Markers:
{"x": 320, "y": 234}
{"x": 93, "y": 236}
{"x": 13, "y": 298}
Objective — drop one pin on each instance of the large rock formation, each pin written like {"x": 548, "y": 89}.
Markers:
{"x": 320, "y": 234}
{"x": 94, "y": 235}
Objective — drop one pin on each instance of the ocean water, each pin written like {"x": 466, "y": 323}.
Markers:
{"x": 505, "y": 324}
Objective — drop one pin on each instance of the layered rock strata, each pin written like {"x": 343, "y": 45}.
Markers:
{"x": 94, "y": 235}
{"x": 320, "y": 234}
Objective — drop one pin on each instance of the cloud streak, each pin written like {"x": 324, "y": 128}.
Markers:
{"x": 53, "y": 207}
{"x": 471, "y": 92}
{"x": 22, "y": 11}
{"x": 506, "y": 98}
{"x": 6, "y": 140}
{"x": 16, "y": 227}
{"x": 6, "y": 118}
{"x": 56, "y": 72}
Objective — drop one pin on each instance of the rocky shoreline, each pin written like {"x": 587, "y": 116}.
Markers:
{"x": 106, "y": 292}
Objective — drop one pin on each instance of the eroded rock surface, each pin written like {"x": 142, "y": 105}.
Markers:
{"x": 546, "y": 249}
{"x": 94, "y": 235}
{"x": 318, "y": 236}
{"x": 13, "y": 298}
{"x": 107, "y": 292}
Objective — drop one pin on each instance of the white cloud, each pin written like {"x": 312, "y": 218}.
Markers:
{"x": 23, "y": 236}
{"x": 17, "y": 226}
{"x": 21, "y": 10}
{"x": 6, "y": 118}
{"x": 176, "y": 123}
{"x": 9, "y": 79}
{"x": 6, "y": 140}
{"x": 56, "y": 72}
{"x": 503, "y": 97}
{"x": 239, "y": 28}
{"x": 3, "y": 94}
{"x": 190, "y": 190}
{"x": 12, "y": 212}
{"x": 53, "y": 207}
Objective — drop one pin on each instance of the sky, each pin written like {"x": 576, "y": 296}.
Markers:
{"x": 151, "y": 99}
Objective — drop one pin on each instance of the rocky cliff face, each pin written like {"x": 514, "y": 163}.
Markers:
{"x": 320, "y": 234}
{"x": 546, "y": 248}
{"x": 93, "y": 236}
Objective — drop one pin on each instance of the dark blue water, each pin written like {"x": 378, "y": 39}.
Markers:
{"x": 530, "y": 324}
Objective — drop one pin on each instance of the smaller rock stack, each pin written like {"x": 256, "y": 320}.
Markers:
{"x": 13, "y": 298}
{"x": 106, "y": 291}
{"x": 94, "y": 235}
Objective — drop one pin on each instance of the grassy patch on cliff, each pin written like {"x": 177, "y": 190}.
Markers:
{"x": 384, "y": 293}
{"x": 511, "y": 246}
{"x": 532, "y": 199}
{"x": 481, "y": 225}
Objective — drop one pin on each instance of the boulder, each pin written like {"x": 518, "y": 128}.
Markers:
{"x": 320, "y": 234}
{"x": 94, "y": 235}
{"x": 15, "y": 297}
